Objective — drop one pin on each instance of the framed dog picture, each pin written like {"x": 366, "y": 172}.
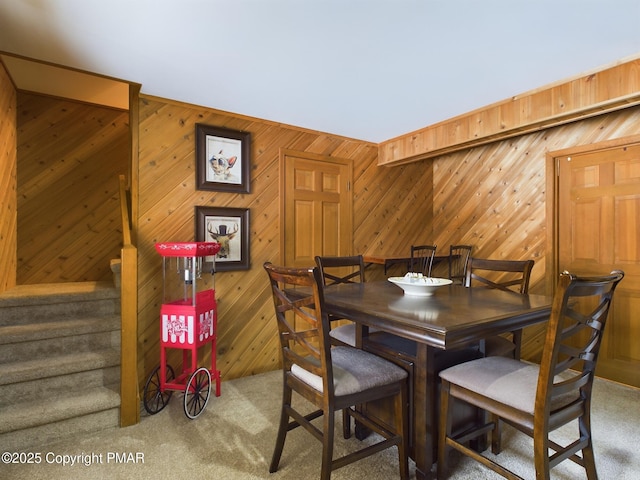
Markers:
{"x": 230, "y": 228}
{"x": 222, "y": 159}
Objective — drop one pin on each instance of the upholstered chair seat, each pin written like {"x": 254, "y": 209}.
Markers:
{"x": 354, "y": 371}
{"x": 510, "y": 381}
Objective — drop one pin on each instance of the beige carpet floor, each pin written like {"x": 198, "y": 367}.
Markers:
{"x": 234, "y": 436}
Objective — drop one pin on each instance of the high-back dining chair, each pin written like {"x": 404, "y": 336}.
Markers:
{"x": 508, "y": 275}
{"x": 335, "y": 270}
{"x": 344, "y": 269}
{"x": 458, "y": 262}
{"x": 537, "y": 399}
{"x": 331, "y": 378}
{"x": 422, "y": 259}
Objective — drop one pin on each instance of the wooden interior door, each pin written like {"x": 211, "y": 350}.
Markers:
{"x": 317, "y": 207}
{"x": 598, "y": 231}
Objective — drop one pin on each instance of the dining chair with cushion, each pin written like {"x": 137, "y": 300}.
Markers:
{"x": 458, "y": 262}
{"x": 422, "y": 259}
{"x": 330, "y": 378}
{"x": 336, "y": 270}
{"x": 537, "y": 399}
{"x": 507, "y": 275}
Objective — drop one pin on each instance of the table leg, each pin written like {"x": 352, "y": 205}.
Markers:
{"x": 361, "y": 432}
{"x": 425, "y": 425}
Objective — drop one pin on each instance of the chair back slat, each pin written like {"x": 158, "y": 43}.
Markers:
{"x": 345, "y": 269}
{"x": 569, "y": 385}
{"x": 574, "y": 336}
{"x": 459, "y": 262}
{"x": 303, "y": 327}
{"x": 500, "y": 274}
{"x": 422, "y": 259}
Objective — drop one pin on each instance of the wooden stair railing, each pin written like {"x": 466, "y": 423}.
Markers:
{"x": 129, "y": 391}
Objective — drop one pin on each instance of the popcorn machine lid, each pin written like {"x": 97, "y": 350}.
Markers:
{"x": 187, "y": 249}
{"x": 188, "y": 260}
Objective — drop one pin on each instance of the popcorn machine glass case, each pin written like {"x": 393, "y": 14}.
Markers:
{"x": 188, "y": 320}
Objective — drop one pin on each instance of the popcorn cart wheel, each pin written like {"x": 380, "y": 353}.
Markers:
{"x": 155, "y": 398}
{"x": 188, "y": 320}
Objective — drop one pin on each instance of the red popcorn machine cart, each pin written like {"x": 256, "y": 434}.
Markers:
{"x": 188, "y": 321}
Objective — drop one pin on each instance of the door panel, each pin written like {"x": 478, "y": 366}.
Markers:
{"x": 599, "y": 221}
{"x": 317, "y": 207}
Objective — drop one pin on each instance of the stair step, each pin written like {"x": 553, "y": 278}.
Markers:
{"x": 29, "y": 439}
{"x": 38, "y": 369}
{"x": 59, "y": 362}
{"x": 50, "y": 341}
{"x": 57, "y": 293}
{"x": 41, "y": 412}
{"x": 29, "y": 303}
{"x": 47, "y": 378}
{"x": 57, "y": 328}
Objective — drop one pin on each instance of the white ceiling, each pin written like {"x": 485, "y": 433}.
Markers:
{"x": 367, "y": 69}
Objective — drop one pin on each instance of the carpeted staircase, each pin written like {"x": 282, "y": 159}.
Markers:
{"x": 59, "y": 362}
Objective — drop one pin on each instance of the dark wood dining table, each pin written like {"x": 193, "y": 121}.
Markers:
{"x": 454, "y": 317}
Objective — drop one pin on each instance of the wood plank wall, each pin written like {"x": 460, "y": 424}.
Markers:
{"x": 69, "y": 157}
{"x": 495, "y": 197}
{"x": 385, "y": 218}
{"x": 8, "y": 199}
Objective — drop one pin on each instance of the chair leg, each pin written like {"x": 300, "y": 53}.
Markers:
{"x": 402, "y": 418}
{"x": 282, "y": 429}
{"x": 517, "y": 340}
{"x": 496, "y": 434}
{"x": 444, "y": 431}
{"x": 327, "y": 446}
{"x": 541, "y": 454}
{"x": 346, "y": 424}
{"x": 588, "y": 458}
{"x": 589, "y": 462}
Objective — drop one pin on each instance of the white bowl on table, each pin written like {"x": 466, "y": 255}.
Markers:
{"x": 417, "y": 285}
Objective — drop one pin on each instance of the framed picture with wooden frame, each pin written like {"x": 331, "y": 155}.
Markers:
{"x": 222, "y": 159}
{"x": 230, "y": 228}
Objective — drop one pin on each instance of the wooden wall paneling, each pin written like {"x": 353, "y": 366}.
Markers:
{"x": 69, "y": 157}
{"x": 324, "y": 145}
{"x": 129, "y": 391}
{"x": 391, "y": 207}
{"x": 366, "y": 199}
{"x": 352, "y": 149}
{"x": 8, "y": 182}
{"x": 276, "y": 138}
{"x": 491, "y": 196}
{"x": 68, "y": 265}
{"x": 53, "y": 201}
{"x": 245, "y": 327}
{"x": 543, "y": 107}
{"x": 485, "y": 192}
{"x": 247, "y": 333}
{"x": 495, "y": 198}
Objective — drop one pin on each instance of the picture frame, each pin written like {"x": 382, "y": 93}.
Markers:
{"x": 222, "y": 159}
{"x": 230, "y": 228}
